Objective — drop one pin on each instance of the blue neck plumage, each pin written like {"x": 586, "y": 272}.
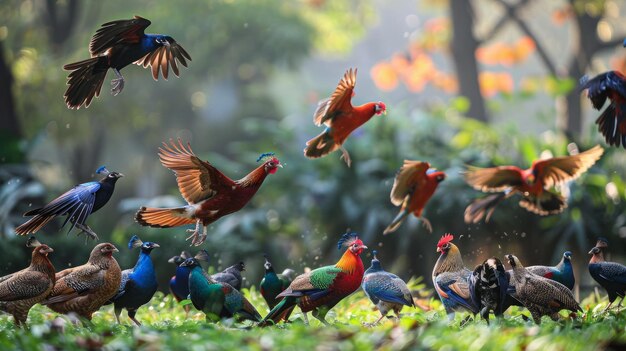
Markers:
{"x": 144, "y": 266}
{"x": 375, "y": 267}
{"x": 564, "y": 265}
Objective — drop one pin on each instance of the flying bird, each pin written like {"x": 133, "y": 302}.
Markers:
{"x": 612, "y": 121}
{"x": 340, "y": 119}
{"x": 414, "y": 185}
{"x": 77, "y": 203}
{"x": 534, "y": 184}
{"x": 116, "y": 45}
{"x": 210, "y": 194}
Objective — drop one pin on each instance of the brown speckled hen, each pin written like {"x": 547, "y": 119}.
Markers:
{"x": 84, "y": 289}
{"x": 23, "y": 289}
{"x": 541, "y": 296}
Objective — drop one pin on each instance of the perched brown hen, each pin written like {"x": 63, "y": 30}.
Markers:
{"x": 84, "y": 289}
{"x": 541, "y": 296}
{"x": 22, "y": 290}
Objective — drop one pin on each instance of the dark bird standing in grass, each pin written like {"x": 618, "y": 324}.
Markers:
{"x": 77, "y": 203}
{"x": 489, "y": 287}
{"x": 541, "y": 296}
{"x": 179, "y": 283}
{"x": 84, "y": 289}
{"x": 138, "y": 283}
{"x": 451, "y": 279}
{"x": 533, "y": 184}
{"x": 116, "y": 45}
{"x": 321, "y": 289}
{"x": 610, "y": 275}
{"x": 21, "y": 290}
{"x": 386, "y": 290}
{"x": 217, "y": 300}
{"x": 562, "y": 272}
{"x": 612, "y": 121}
{"x": 340, "y": 119}
{"x": 231, "y": 275}
{"x": 209, "y": 193}
{"x": 273, "y": 284}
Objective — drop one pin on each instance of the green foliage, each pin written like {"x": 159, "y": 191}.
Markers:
{"x": 165, "y": 328}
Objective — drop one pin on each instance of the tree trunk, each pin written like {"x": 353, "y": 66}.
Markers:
{"x": 463, "y": 46}
{"x": 9, "y": 124}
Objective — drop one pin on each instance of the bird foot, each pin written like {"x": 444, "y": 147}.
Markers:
{"x": 89, "y": 233}
{"x": 427, "y": 224}
{"x": 196, "y": 238}
{"x": 117, "y": 85}
{"x": 345, "y": 156}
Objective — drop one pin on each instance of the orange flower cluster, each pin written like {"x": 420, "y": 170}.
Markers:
{"x": 506, "y": 54}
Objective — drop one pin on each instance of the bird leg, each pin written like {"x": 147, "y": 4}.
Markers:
{"x": 196, "y": 238}
{"x": 345, "y": 156}
{"x": 117, "y": 84}
{"x": 88, "y": 232}
{"x": 305, "y": 318}
{"x": 321, "y": 316}
{"x": 607, "y": 307}
{"x": 117, "y": 312}
{"x": 427, "y": 224}
{"x": 131, "y": 315}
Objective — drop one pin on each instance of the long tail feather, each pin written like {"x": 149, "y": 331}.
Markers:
{"x": 321, "y": 145}
{"x": 85, "y": 81}
{"x": 282, "y": 310}
{"x": 395, "y": 224}
{"x": 163, "y": 217}
{"x": 33, "y": 225}
{"x": 483, "y": 207}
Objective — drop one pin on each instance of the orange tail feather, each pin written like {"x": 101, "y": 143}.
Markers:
{"x": 163, "y": 217}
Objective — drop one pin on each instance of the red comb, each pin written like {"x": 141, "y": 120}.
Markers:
{"x": 445, "y": 239}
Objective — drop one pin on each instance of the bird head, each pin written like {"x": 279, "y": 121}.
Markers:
{"x": 439, "y": 176}
{"x": 352, "y": 242}
{"x": 567, "y": 255}
{"x": 513, "y": 261}
{"x": 241, "y": 266}
{"x": 268, "y": 264}
{"x": 146, "y": 247}
{"x": 190, "y": 262}
{"x": 270, "y": 162}
{"x": 602, "y": 243}
{"x": 595, "y": 250}
{"x": 194, "y": 261}
{"x": 445, "y": 243}
{"x": 375, "y": 261}
{"x": 39, "y": 248}
{"x": 177, "y": 260}
{"x": 380, "y": 108}
{"x": 110, "y": 176}
{"x": 105, "y": 249}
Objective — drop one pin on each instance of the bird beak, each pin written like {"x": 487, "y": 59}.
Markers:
{"x": 120, "y": 175}
{"x": 115, "y": 249}
{"x": 50, "y": 250}
{"x": 591, "y": 251}
{"x": 280, "y": 165}
{"x": 156, "y": 245}
{"x": 171, "y": 260}
{"x": 438, "y": 249}
{"x": 363, "y": 247}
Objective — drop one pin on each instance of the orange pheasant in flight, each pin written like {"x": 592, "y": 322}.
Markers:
{"x": 340, "y": 118}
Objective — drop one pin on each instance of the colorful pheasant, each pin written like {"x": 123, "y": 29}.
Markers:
{"x": 451, "y": 279}
{"x": 541, "y": 296}
{"x": 273, "y": 284}
{"x": 612, "y": 122}
{"x": 610, "y": 275}
{"x": 209, "y": 193}
{"x": 386, "y": 290}
{"x": 84, "y": 289}
{"x": 21, "y": 290}
{"x": 340, "y": 118}
{"x": 414, "y": 185}
{"x": 562, "y": 272}
{"x": 321, "y": 289}
{"x": 216, "y": 300}
{"x": 534, "y": 184}
{"x": 138, "y": 283}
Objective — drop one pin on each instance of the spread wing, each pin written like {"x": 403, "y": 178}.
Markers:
{"x": 163, "y": 57}
{"x": 407, "y": 179}
{"x": 339, "y": 102}
{"x": 197, "y": 180}
{"x": 117, "y": 32}
{"x": 558, "y": 170}
{"x": 494, "y": 179}
{"x": 24, "y": 285}
{"x": 600, "y": 86}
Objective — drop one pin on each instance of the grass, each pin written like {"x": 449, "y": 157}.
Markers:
{"x": 166, "y": 328}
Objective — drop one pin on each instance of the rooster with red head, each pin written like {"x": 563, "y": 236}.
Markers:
{"x": 321, "y": 289}
{"x": 209, "y": 193}
{"x": 340, "y": 118}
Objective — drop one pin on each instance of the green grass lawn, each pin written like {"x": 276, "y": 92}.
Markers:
{"x": 165, "y": 327}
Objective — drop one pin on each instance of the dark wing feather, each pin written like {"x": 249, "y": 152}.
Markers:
{"x": 598, "y": 88}
{"x": 117, "y": 32}
{"x": 558, "y": 170}
{"x": 165, "y": 55}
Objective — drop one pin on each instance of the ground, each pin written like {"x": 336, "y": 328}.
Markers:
{"x": 426, "y": 328}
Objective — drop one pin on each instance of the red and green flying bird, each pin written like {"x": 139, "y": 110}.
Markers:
{"x": 209, "y": 193}
{"x": 414, "y": 185}
{"x": 340, "y": 118}
{"x": 321, "y": 289}
{"x": 534, "y": 184}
